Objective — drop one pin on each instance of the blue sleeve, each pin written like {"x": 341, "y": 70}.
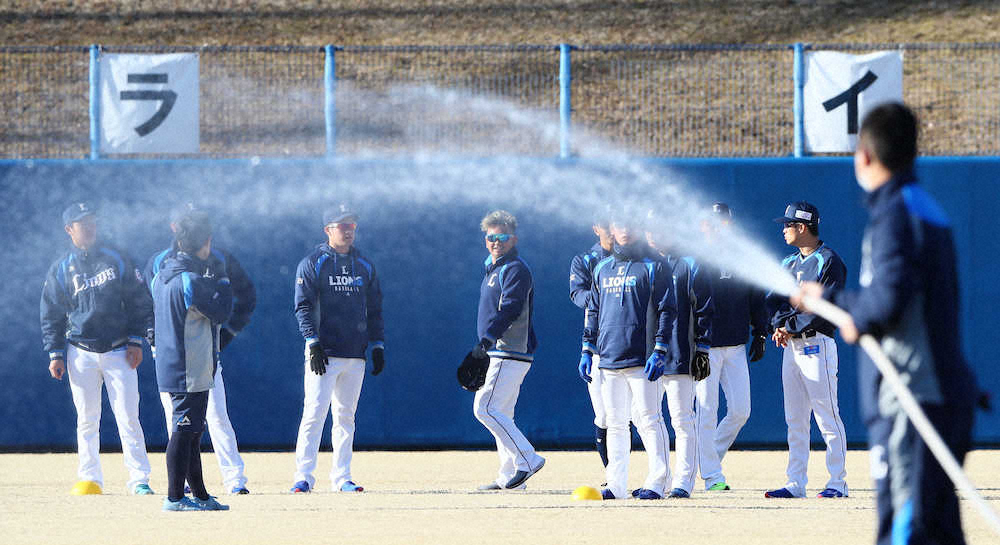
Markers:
{"x": 137, "y": 300}
{"x": 704, "y": 307}
{"x": 212, "y": 297}
{"x": 579, "y": 281}
{"x": 244, "y": 294}
{"x": 514, "y": 289}
{"x": 894, "y": 276}
{"x": 376, "y": 327}
{"x": 663, "y": 292}
{"x": 306, "y": 298}
{"x": 54, "y": 307}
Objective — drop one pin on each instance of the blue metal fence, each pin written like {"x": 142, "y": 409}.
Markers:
{"x": 667, "y": 100}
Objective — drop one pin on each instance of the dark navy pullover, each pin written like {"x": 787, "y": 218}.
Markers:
{"x": 909, "y": 297}
{"x": 695, "y": 310}
{"x": 506, "y": 308}
{"x": 338, "y": 302}
{"x": 94, "y": 299}
{"x": 633, "y": 299}
{"x": 737, "y": 305}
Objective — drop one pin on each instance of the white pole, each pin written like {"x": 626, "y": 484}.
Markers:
{"x": 912, "y": 408}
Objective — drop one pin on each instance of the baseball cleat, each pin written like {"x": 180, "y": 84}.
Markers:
{"x": 349, "y": 486}
{"x": 301, "y": 487}
{"x": 779, "y": 493}
{"x": 521, "y": 476}
{"x": 679, "y": 493}
{"x": 183, "y": 504}
{"x": 718, "y": 486}
{"x": 490, "y": 486}
{"x": 211, "y": 504}
{"x": 85, "y": 488}
{"x": 142, "y": 489}
{"x": 831, "y": 493}
{"x": 239, "y": 491}
{"x": 606, "y": 494}
{"x": 647, "y": 494}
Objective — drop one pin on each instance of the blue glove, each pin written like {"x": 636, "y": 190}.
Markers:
{"x": 586, "y": 361}
{"x": 655, "y": 365}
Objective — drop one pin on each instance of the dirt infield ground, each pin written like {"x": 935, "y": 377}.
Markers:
{"x": 428, "y": 497}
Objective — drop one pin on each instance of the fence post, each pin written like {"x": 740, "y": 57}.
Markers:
{"x": 799, "y": 104}
{"x": 330, "y": 104}
{"x": 95, "y": 102}
{"x": 565, "y": 105}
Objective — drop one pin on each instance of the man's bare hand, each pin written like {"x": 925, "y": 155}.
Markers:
{"x": 133, "y": 355}
{"x": 57, "y": 368}
{"x": 849, "y": 331}
{"x": 780, "y": 337}
{"x": 807, "y": 289}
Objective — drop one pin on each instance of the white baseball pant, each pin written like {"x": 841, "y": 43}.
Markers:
{"x": 338, "y": 389}
{"x": 809, "y": 379}
{"x": 594, "y": 389}
{"x": 680, "y": 404}
{"x": 220, "y": 430}
{"x": 494, "y": 405}
{"x": 87, "y": 372}
{"x": 731, "y": 371}
{"x": 627, "y": 394}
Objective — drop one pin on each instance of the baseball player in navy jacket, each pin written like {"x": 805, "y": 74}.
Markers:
{"x": 739, "y": 308}
{"x": 338, "y": 304}
{"x": 94, "y": 312}
{"x": 581, "y": 282}
{"x": 909, "y": 302}
{"x": 809, "y": 363}
{"x": 220, "y": 429}
{"x": 690, "y": 340}
{"x": 507, "y": 335}
{"x": 633, "y": 301}
{"x": 190, "y": 302}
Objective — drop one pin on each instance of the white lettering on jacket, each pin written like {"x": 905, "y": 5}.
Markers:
{"x": 83, "y": 282}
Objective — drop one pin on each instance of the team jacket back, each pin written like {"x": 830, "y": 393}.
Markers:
{"x": 188, "y": 306}
{"x": 94, "y": 299}
{"x": 738, "y": 307}
{"x": 695, "y": 312}
{"x": 338, "y": 301}
{"x": 823, "y": 266}
{"x": 631, "y": 292}
{"x": 506, "y": 306}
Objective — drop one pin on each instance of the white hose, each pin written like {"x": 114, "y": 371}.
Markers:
{"x": 912, "y": 408}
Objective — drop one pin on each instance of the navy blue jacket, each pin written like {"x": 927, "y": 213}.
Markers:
{"x": 94, "y": 299}
{"x": 823, "y": 266}
{"x": 581, "y": 277}
{"x": 693, "y": 328}
{"x": 633, "y": 299}
{"x": 909, "y": 297}
{"x": 222, "y": 263}
{"x": 338, "y": 302}
{"x": 189, "y": 304}
{"x": 737, "y": 305}
{"x": 506, "y": 308}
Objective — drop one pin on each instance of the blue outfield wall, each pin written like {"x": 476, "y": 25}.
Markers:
{"x": 429, "y": 257}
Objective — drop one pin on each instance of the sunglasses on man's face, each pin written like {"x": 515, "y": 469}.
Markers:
{"x": 344, "y": 226}
{"x": 498, "y": 237}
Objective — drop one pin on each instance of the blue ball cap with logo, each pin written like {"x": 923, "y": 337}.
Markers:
{"x": 77, "y": 211}
{"x": 722, "y": 209}
{"x": 801, "y": 212}
{"x": 339, "y": 213}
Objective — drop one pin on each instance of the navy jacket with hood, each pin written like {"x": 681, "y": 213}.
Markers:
{"x": 338, "y": 302}
{"x": 189, "y": 305}
{"x": 506, "y": 308}
{"x": 909, "y": 298}
{"x": 693, "y": 329}
{"x": 94, "y": 299}
{"x": 737, "y": 306}
{"x": 633, "y": 299}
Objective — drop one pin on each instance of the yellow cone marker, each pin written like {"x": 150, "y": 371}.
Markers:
{"x": 83, "y": 488}
{"x": 586, "y": 493}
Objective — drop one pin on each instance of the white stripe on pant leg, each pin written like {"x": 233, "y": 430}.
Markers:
{"x": 495, "y": 409}
{"x": 680, "y": 403}
{"x": 735, "y": 382}
{"x": 315, "y": 407}
{"x": 350, "y": 374}
{"x": 647, "y": 398}
{"x": 797, "y": 413}
{"x": 706, "y": 416}
{"x": 85, "y": 384}
{"x": 618, "y": 407}
{"x": 223, "y": 436}
{"x": 122, "y": 383}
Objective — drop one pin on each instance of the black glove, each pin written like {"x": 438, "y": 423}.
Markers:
{"x": 378, "y": 360}
{"x": 700, "y": 368}
{"x": 317, "y": 359}
{"x": 225, "y": 337}
{"x": 472, "y": 372}
{"x": 757, "y": 346}
{"x": 479, "y": 351}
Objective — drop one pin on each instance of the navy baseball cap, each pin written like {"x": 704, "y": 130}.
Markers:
{"x": 800, "y": 212}
{"x": 77, "y": 211}
{"x": 722, "y": 209}
{"x": 338, "y": 214}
